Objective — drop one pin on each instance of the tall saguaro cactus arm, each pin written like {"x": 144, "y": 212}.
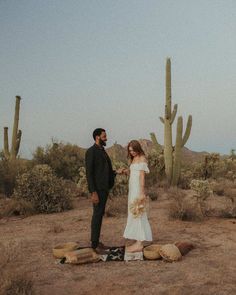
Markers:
{"x": 174, "y": 112}
{"x": 187, "y": 131}
{"x": 157, "y": 146}
{"x": 177, "y": 152}
{"x": 168, "y": 89}
{"x": 180, "y": 142}
{"x": 6, "y": 144}
{"x": 16, "y": 134}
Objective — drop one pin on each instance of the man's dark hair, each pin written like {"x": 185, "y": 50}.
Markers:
{"x": 98, "y": 132}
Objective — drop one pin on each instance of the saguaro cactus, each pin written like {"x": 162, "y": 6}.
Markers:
{"x": 16, "y": 134}
{"x": 172, "y": 155}
{"x": 180, "y": 142}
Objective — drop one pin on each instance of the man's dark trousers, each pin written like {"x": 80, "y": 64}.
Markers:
{"x": 98, "y": 212}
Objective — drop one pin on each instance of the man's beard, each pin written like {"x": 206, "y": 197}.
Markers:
{"x": 102, "y": 142}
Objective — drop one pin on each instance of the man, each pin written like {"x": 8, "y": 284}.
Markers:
{"x": 100, "y": 178}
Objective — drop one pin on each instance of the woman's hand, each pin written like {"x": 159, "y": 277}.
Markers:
{"x": 119, "y": 171}
{"x": 125, "y": 171}
{"x": 142, "y": 197}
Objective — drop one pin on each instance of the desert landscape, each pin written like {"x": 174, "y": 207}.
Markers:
{"x": 175, "y": 214}
{"x": 88, "y": 89}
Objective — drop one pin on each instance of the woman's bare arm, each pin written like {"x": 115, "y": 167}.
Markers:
{"x": 142, "y": 184}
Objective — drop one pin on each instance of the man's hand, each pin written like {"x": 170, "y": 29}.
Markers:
{"x": 94, "y": 198}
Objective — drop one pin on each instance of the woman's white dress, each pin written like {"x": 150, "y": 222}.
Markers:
{"x": 137, "y": 228}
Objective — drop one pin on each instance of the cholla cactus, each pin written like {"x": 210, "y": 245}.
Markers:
{"x": 121, "y": 182}
{"x": 201, "y": 188}
{"x": 82, "y": 183}
{"x": 202, "y": 192}
{"x": 156, "y": 159}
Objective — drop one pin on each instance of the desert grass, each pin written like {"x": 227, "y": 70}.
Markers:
{"x": 13, "y": 281}
{"x": 16, "y": 207}
{"x": 56, "y": 228}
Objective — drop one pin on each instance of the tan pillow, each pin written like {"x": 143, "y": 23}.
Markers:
{"x": 59, "y": 251}
{"x": 80, "y": 256}
{"x": 170, "y": 253}
{"x": 152, "y": 252}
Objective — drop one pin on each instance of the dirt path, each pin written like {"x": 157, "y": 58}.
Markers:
{"x": 208, "y": 269}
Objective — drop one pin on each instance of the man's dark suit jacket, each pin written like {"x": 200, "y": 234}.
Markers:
{"x": 99, "y": 173}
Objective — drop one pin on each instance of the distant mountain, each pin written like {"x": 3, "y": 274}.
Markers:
{"x": 119, "y": 153}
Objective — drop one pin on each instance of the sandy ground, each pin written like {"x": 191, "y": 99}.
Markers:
{"x": 208, "y": 269}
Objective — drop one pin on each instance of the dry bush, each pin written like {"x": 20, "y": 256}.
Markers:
{"x": 64, "y": 159}
{"x": 16, "y": 207}
{"x": 56, "y": 228}
{"x": 215, "y": 167}
{"x": 120, "y": 187}
{"x": 116, "y": 206}
{"x": 44, "y": 190}
{"x": 13, "y": 281}
{"x": 185, "y": 179}
{"x": 10, "y": 251}
{"x": 218, "y": 188}
{"x": 163, "y": 184}
{"x": 230, "y": 211}
{"x": 152, "y": 192}
{"x": 182, "y": 207}
{"x": 18, "y": 284}
{"x": 221, "y": 185}
{"x": 156, "y": 165}
{"x": 8, "y": 173}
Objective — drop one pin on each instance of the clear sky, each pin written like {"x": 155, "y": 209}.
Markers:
{"x": 79, "y": 65}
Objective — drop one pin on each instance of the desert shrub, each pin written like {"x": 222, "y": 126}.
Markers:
{"x": 152, "y": 192}
{"x": 64, "y": 159}
{"x": 9, "y": 171}
{"x": 44, "y": 190}
{"x": 16, "y": 207}
{"x": 157, "y": 168}
{"x": 215, "y": 167}
{"x": 183, "y": 207}
{"x": 117, "y": 206}
{"x": 232, "y": 154}
{"x": 120, "y": 187}
{"x": 218, "y": 188}
{"x": 230, "y": 211}
{"x": 221, "y": 185}
{"x": 185, "y": 178}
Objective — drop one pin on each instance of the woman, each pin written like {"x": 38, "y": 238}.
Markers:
{"x": 137, "y": 228}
